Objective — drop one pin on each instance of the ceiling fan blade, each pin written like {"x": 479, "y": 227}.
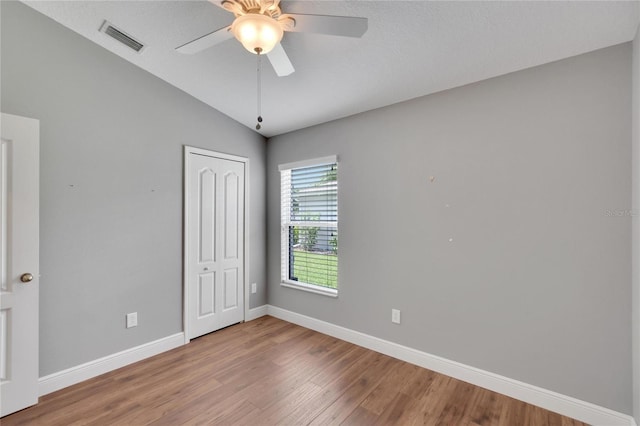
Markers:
{"x": 280, "y": 61}
{"x": 206, "y": 41}
{"x": 345, "y": 26}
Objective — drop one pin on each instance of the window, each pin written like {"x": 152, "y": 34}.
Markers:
{"x": 309, "y": 225}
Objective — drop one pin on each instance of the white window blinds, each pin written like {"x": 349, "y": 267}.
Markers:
{"x": 309, "y": 224}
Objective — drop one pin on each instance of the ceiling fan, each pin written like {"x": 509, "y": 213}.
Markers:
{"x": 260, "y": 24}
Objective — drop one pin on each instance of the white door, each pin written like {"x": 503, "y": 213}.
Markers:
{"x": 214, "y": 289}
{"x": 19, "y": 171}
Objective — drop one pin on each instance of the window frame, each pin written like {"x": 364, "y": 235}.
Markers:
{"x": 286, "y": 223}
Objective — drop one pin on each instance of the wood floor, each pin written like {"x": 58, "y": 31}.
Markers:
{"x": 268, "y": 372}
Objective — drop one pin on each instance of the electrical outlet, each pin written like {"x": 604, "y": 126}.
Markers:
{"x": 132, "y": 320}
{"x": 395, "y": 316}
{"x": 254, "y": 288}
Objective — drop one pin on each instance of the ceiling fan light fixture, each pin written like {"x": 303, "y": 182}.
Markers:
{"x": 258, "y": 33}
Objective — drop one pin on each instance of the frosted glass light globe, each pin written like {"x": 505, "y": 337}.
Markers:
{"x": 257, "y": 33}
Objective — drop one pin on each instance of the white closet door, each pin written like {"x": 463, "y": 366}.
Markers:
{"x": 215, "y": 258}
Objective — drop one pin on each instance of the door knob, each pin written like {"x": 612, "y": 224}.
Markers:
{"x": 26, "y": 278}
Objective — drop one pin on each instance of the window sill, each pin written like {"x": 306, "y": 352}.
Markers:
{"x": 330, "y": 292}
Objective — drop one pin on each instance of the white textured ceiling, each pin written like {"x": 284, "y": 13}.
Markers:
{"x": 412, "y": 48}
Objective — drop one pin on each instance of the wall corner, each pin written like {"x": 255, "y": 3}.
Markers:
{"x": 635, "y": 227}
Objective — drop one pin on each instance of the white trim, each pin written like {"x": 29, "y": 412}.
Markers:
{"x": 216, "y": 154}
{"x": 247, "y": 215}
{"x": 88, "y": 370}
{"x": 311, "y": 288}
{"x": 185, "y": 240}
{"x": 549, "y": 400}
{"x": 256, "y": 313}
{"x": 185, "y": 228}
{"x": 308, "y": 163}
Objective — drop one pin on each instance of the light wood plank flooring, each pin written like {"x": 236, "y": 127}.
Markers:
{"x": 268, "y": 372}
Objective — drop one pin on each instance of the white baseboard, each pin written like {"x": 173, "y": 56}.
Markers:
{"x": 77, "y": 374}
{"x": 88, "y": 370}
{"x": 256, "y": 313}
{"x": 553, "y": 401}
{"x": 549, "y": 400}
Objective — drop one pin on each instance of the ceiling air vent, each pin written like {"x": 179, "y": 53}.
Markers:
{"x": 122, "y": 37}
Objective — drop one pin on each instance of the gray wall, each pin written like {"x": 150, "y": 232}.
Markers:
{"x": 636, "y": 227}
{"x": 111, "y": 187}
{"x": 532, "y": 182}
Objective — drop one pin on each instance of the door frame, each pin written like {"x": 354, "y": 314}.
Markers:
{"x": 188, "y": 150}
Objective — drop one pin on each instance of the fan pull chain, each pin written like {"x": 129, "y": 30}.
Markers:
{"x": 259, "y": 85}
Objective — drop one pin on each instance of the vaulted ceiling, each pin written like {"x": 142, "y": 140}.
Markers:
{"x": 411, "y": 49}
